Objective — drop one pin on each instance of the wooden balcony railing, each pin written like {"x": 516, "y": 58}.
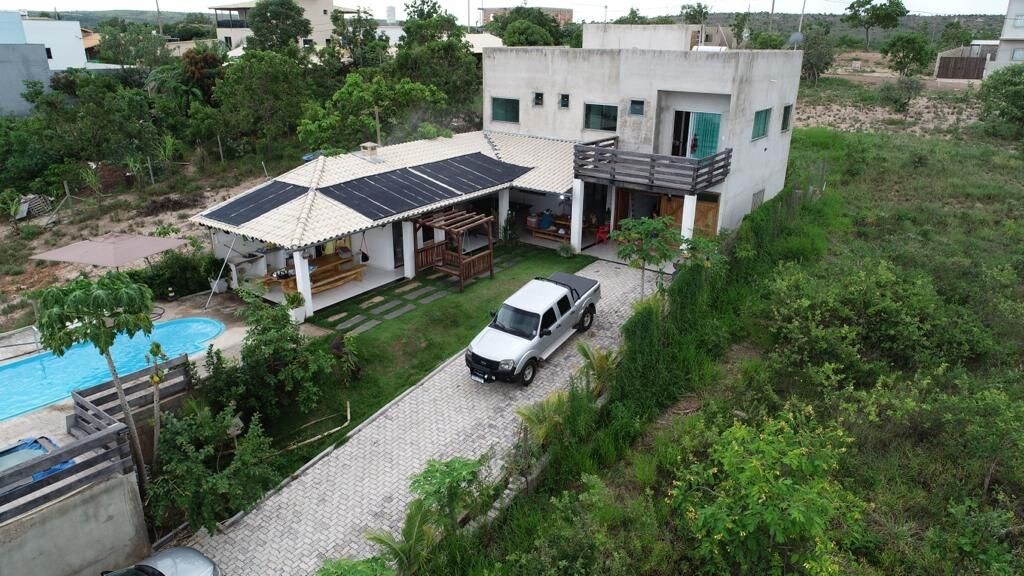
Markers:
{"x": 601, "y": 163}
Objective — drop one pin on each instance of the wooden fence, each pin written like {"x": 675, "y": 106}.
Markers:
{"x": 962, "y": 67}
{"x": 602, "y": 164}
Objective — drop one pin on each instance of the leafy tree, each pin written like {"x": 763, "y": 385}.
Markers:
{"x": 409, "y": 551}
{"x": 352, "y": 113}
{"x": 433, "y": 51}
{"x": 899, "y": 94}
{"x": 96, "y": 312}
{"x": 357, "y": 34}
{"x": 767, "y": 41}
{"x": 1002, "y": 95}
{"x": 631, "y": 17}
{"x": 276, "y": 25}
{"x": 644, "y": 242}
{"x": 136, "y": 48}
{"x": 955, "y": 34}
{"x": 909, "y": 53}
{"x": 572, "y": 35}
{"x": 194, "y": 26}
{"x": 10, "y": 203}
{"x": 526, "y": 33}
{"x": 819, "y": 52}
{"x": 501, "y": 23}
{"x": 765, "y": 500}
{"x": 695, "y": 13}
{"x": 203, "y": 67}
{"x": 740, "y": 25}
{"x": 260, "y": 94}
{"x": 449, "y": 487}
{"x": 868, "y": 14}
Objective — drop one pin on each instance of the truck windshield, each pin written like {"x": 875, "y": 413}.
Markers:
{"x": 516, "y": 322}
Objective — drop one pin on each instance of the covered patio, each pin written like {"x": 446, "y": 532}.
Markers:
{"x": 450, "y": 255}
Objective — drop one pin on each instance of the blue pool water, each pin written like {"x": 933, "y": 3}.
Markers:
{"x": 43, "y": 378}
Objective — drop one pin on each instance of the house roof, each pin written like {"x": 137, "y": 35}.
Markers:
{"x": 480, "y": 41}
{"x": 334, "y": 196}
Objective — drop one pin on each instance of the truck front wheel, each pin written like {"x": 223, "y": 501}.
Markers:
{"x": 529, "y": 372}
{"x": 587, "y": 320}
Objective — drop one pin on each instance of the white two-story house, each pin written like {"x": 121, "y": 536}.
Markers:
{"x": 233, "y": 21}
{"x": 1011, "y": 41}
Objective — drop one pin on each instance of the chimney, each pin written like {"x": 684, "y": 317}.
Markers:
{"x": 369, "y": 149}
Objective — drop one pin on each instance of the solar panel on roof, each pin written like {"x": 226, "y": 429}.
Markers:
{"x": 471, "y": 172}
{"x": 272, "y": 195}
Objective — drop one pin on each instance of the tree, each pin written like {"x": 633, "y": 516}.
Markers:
{"x": 1002, "y": 95}
{"x": 203, "y": 67}
{"x": 501, "y": 23}
{"x": 867, "y": 14}
{"x": 909, "y": 53}
{"x": 646, "y": 242}
{"x": 525, "y": 33}
{"x": 767, "y": 41}
{"x": 10, "y": 203}
{"x": 276, "y": 25}
{"x": 410, "y": 550}
{"x": 819, "y": 52}
{"x": 96, "y": 312}
{"x": 155, "y": 357}
{"x": 632, "y": 17}
{"x": 572, "y": 35}
{"x": 433, "y": 50}
{"x": 194, "y": 26}
{"x": 261, "y": 94}
{"x": 136, "y": 48}
{"x": 955, "y": 34}
{"x": 357, "y": 34}
{"x": 695, "y": 13}
{"x": 448, "y": 487}
{"x": 740, "y": 26}
{"x": 765, "y": 500}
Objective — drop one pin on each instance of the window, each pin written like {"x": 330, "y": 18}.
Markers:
{"x": 505, "y": 109}
{"x": 1017, "y": 56}
{"x": 563, "y": 100}
{"x": 787, "y": 117}
{"x": 307, "y": 42}
{"x": 757, "y": 200}
{"x": 548, "y": 320}
{"x": 1018, "y": 21}
{"x": 227, "y": 40}
{"x": 325, "y": 12}
{"x": 564, "y": 305}
{"x": 538, "y": 98}
{"x": 636, "y": 107}
{"x": 600, "y": 117}
{"x": 49, "y": 54}
{"x": 327, "y": 41}
{"x": 761, "y": 120}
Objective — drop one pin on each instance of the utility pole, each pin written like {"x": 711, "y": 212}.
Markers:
{"x": 606, "y": 13}
{"x": 469, "y": 20}
{"x": 771, "y": 16}
{"x": 800, "y": 26}
{"x": 159, "y": 24}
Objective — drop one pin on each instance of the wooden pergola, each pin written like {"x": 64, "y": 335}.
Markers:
{"x": 455, "y": 224}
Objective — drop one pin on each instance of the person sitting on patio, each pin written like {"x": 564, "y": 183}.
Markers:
{"x": 546, "y": 220}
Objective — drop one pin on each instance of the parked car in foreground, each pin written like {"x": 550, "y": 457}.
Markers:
{"x": 530, "y": 325}
{"x": 181, "y": 561}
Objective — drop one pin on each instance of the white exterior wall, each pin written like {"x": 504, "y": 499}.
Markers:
{"x": 237, "y": 35}
{"x": 318, "y": 12}
{"x": 379, "y": 244}
{"x": 733, "y": 83}
{"x": 640, "y": 36}
{"x": 1011, "y": 39}
{"x": 62, "y": 37}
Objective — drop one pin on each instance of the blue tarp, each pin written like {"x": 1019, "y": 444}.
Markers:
{"x": 29, "y": 449}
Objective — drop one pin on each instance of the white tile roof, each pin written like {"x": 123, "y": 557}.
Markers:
{"x": 314, "y": 218}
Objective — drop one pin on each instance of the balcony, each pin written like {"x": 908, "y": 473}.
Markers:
{"x": 222, "y": 23}
{"x": 602, "y": 163}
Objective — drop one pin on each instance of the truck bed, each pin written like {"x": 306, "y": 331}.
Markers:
{"x": 580, "y": 284}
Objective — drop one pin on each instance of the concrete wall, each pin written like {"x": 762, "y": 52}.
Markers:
{"x": 1004, "y": 56}
{"x": 379, "y": 244}
{"x": 1013, "y": 29}
{"x": 641, "y": 36}
{"x": 237, "y": 35}
{"x": 62, "y": 37}
{"x": 18, "y": 63}
{"x": 11, "y": 31}
{"x": 318, "y": 12}
{"x": 98, "y": 528}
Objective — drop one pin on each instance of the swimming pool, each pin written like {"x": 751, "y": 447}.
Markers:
{"x": 43, "y": 378}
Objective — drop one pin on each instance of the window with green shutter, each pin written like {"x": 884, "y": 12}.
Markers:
{"x": 787, "y": 117}
{"x": 505, "y": 110}
{"x": 600, "y": 117}
{"x": 761, "y": 120}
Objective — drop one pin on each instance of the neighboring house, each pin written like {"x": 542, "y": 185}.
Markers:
{"x": 20, "y": 63}
{"x": 573, "y": 141}
{"x": 1011, "y": 41}
{"x": 91, "y": 43}
{"x": 655, "y": 36}
{"x": 966, "y": 62}
{"x": 562, "y": 15}
{"x": 62, "y": 39}
{"x": 233, "y": 21}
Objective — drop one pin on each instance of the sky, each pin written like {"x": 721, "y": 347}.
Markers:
{"x": 583, "y": 9}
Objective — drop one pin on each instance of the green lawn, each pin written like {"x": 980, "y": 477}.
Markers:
{"x": 398, "y": 353}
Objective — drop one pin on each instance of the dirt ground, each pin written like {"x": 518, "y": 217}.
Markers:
{"x": 926, "y": 117}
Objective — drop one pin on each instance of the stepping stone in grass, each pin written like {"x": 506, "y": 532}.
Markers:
{"x": 435, "y": 296}
{"x": 350, "y": 322}
{"x": 398, "y": 312}
{"x": 406, "y": 287}
{"x": 421, "y": 292}
{"x": 372, "y": 301}
{"x": 337, "y": 317}
{"x": 364, "y": 327}
{"x": 435, "y": 275}
{"x": 385, "y": 307}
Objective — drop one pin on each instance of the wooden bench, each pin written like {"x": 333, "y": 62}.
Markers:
{"x": 339, "y": 277}
{"x": 548, "y": 233}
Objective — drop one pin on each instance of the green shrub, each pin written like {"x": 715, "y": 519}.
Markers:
{"x": 899, "y": 94}
{"x": 346, "y": 567}
{"x": 185, "y": 271}
{"x": 30, "y": 232}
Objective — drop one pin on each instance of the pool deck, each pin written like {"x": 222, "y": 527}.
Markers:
{"x": 50, "y": 420}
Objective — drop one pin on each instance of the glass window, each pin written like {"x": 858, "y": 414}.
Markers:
{"x": 516, "y": 322}
{"x": 538, "y": 98}
{"x": 600, "y": 117}
{"x": 563, "y": 101}
{"x": 564, "y": 305}
{"x": 307, "y": 41}
{"x": 636, "y": 107}
{"x": 505, "y": 109}
{"x": 787, "y": 117}
{"x": 49, "y": 54}
{"x": 1018, "y": 21}
{"x": 761, "y": 120}
{"x": 1018, "y": 55}
{"x": 548, "y": 320}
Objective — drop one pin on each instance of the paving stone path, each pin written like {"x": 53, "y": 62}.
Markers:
{"x": 326, "y": 511}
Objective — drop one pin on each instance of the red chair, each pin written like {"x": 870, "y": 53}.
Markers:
{"x": 602, "y": 234}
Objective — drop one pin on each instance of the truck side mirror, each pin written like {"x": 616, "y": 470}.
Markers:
{"x": 545, "y": 332}
{"x": 493, "y": 314}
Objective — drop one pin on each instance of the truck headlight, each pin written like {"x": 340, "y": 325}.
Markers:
{"x": 469, "y": 354}
{"x": 507, "y": 365}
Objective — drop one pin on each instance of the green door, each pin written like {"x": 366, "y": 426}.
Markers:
{"x": 705, "y": 130}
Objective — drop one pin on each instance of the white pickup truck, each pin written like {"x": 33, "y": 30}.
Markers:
{"x": 530, "y": 326}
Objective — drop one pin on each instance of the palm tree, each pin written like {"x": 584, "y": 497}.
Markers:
{"x": 598, "y": 367}
{"x": 96, "y": 312}
{"x": 543, "y": 419}
{"x": 409, "y": 551}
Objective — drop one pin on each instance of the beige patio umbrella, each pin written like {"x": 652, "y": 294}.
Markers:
{"x": 111, "y": 250}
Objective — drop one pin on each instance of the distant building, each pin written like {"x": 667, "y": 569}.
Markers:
{"x": 1011, "y": 41}
{"x": 61, "y": 38}
{"x": 562, "y": 15}
{"x": 19, "y": 62}
{"x": 392, "y": 18}
{"x": 233, "y": 21}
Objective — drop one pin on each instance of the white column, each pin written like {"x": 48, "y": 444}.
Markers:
{"x": 576, "y": 227}
{"x": 689, "y": 214}
{"x": 409, "y": 248}
{"x": 612, "y": 193}
{"x": 302, "y": 281}
{"x": 502, "y": 209}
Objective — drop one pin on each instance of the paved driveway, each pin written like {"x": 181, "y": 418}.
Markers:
{"x": 364, "y": 484}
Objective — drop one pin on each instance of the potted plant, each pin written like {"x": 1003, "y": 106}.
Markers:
{"x": 296, "y": 306}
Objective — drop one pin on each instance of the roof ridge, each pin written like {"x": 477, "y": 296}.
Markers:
{"x": 307, "y": 203}
{"x": 492, "y": 144}
{"x": 487, "y": 134}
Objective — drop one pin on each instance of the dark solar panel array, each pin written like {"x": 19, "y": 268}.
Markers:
{"x": 260, "y": 201}
{"x": 383, "y": 195}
